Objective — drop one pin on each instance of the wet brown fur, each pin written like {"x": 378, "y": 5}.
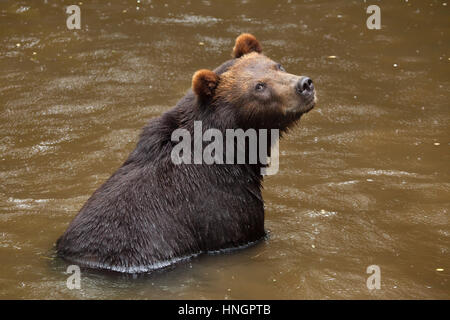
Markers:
{"x": 236, "y": 82}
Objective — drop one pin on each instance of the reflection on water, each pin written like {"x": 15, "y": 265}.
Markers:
{"x": 363, "y": 180}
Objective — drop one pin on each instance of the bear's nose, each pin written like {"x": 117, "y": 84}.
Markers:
{"x": 305, "y": 86}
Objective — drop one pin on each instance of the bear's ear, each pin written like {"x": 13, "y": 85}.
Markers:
{"x": 246, "y": 43}
{"x": 204, "y": 83}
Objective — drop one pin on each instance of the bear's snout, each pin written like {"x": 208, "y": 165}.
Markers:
{"x": 305, "y": 87}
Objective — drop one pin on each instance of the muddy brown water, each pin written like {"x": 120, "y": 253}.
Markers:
{"x": 363, "y": 180}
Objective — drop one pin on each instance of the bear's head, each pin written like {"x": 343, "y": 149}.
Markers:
{"x": 256, "y": 89}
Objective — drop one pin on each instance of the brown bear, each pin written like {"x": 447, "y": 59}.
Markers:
{"x": 152, "y": 212}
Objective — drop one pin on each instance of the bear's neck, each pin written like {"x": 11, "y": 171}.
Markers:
{"x": 155, "y": 143}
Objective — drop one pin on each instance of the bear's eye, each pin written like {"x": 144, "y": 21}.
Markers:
{"x": 260, "y": 86}
{"x": 280, "y": 67}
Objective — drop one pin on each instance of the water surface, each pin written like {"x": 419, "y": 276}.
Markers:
{"x": 364, "y": 179}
